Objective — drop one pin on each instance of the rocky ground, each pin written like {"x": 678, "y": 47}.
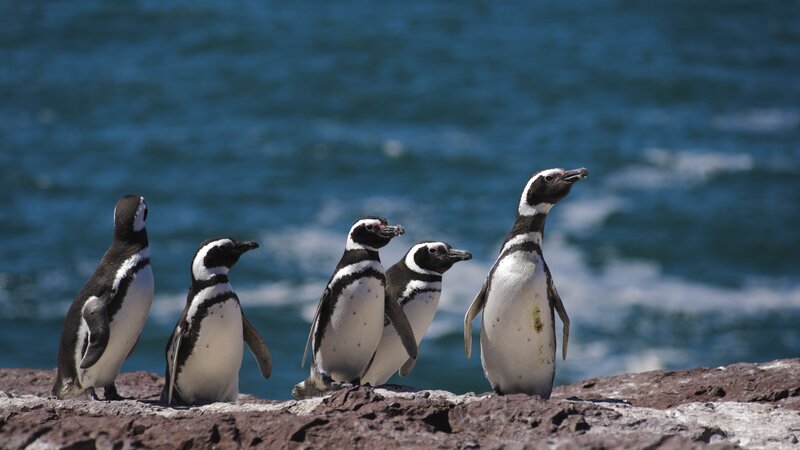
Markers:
{"x": 742, "y": 405}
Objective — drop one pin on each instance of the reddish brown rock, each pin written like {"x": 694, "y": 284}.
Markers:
{"x": 776, "y": 382}
{"x": 661, "y": 409}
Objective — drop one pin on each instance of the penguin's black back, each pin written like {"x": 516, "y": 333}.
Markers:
{"x": 98, "y": 285}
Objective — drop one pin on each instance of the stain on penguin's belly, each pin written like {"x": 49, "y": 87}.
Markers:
{"x": 124, "y": 330}
{"x": 211, "y": 372}
{"x": 391, "y": 354}
{"x": 517, "y": 336}
{"x": 354, "y": 331}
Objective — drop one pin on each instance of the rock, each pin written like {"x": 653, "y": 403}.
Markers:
{"x": 776, "y": 382}
{"x": 747, "y": 405}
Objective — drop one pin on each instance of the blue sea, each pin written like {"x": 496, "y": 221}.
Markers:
{"x": 283, "y": 122}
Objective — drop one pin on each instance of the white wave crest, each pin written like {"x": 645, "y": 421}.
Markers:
{"x": 758, "y": 120}
{"x": 669, "y": 167}
{"x": 585, "y": 214}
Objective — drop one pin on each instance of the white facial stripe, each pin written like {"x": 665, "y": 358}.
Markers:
{"x": 524, "y": 208}
{"x": 199, "y": 269}
{"x": 128, "y": 265}
{"x": 204, "y": 295}
{"x": 419, "y": 284}
{"x": 365, "y": 222}
{"x": 353, "y": 245}
{"x": 138, "y": 221}
{"x": 354, "y": 268}
{"x": 413, "y": 264}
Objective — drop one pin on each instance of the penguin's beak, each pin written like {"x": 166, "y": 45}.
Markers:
{"x": 391, "y": 231}
{"x": 244, "y": 246}
{"x": 572, "y": 176}
{"x": 456, "y": 255}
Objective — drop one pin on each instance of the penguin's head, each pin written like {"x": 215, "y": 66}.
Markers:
{"x": 546, "y": 188}
{"x": 129, "y": 217}
{"x": 372, "y": 233}
{"x": 216, "y": 256}
{"x": 434, "y": 257}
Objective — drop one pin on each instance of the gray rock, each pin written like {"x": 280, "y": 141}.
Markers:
{"x": 742, "y": 405}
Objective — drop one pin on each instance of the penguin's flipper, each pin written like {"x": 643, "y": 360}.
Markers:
{"x": 172, "y": 361}
{"x": 562, "y": 313}
{"x": 257, "y": 347}
{"x": 168, "y": 395}
{"x": 394, "y": 312}
{"x": 325, "y": 298}
{"x": 474, "y": 309}
{"x": 95, "y": 315}
{"x": 407, "y": 367}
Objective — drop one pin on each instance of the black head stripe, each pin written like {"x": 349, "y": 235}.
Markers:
{"x": 438, "y": 261}
{"x": 221, "y": 256}
{"x": 360, "y": 234}
{"x": 542, "y": 191}
{"x": 125, "y": 211}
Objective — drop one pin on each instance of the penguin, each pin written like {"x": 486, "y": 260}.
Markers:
{"x": 106, "y": 317}
{"x": 518, "y": 341}
{"x": 415, "y": 283}
{"x": 204, "y": 352}
{"x": 348, "y": 322}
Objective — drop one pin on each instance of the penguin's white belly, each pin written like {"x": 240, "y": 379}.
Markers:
{"x": 391, "y": 354}
{"x": 124, "y": 330}
{"x": 353, "y": 333}
{"x": 518, "y": 335}
{"x": 211, "y": 372}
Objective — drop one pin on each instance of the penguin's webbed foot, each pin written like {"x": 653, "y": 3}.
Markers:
{"x": 110, "y": 393}
{"x": 91, "y": 394}
{"x": 317, "y": 385}
{"x": 307, "y": 389}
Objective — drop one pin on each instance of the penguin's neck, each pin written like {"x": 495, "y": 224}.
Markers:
{"x": 127, "y": 237}
{"x": 353, "y": 245}
{"x": 530, "y": 226}
{"x": 360, "y": 254}
{"x": 218, "y": 281}
{"x": 220, "y": 278}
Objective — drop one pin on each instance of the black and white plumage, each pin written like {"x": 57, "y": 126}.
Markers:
{"x": 518, "y": 298}
{"x": 204, "y": 352}
{"x": 349, "y": 320}
{"x": 104, "y": 321}
{"x": 415, "y": 283}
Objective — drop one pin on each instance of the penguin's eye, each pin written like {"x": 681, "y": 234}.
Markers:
{"x": 548, "y": 178}
{"x": 370, "y": 227}
{"x": 432, "y": 251}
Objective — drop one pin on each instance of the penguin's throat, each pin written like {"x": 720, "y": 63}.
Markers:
{"x": 207, "y": 273}
{"x": 353, "y": 245}
{"x": 532, "y": 227}
{"x": 130, "y": 237}
{"x": 526, "y": 209}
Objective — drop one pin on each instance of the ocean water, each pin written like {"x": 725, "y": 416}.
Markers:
{"x": 283, "y": 123}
